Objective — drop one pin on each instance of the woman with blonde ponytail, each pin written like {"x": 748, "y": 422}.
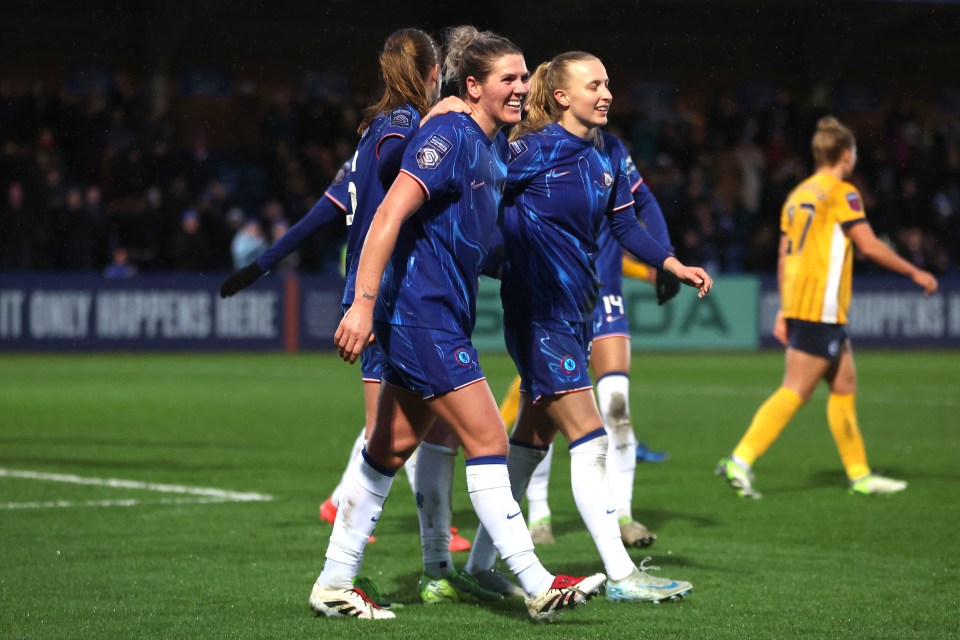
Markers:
{"x": 416, "y": 288}
{"x": 563, "y": 183}
{"x": 821, "y": 221}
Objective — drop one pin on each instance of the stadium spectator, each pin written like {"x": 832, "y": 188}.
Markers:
{"x": 120, "y": 266}
{"x": 128, "y": 138}
{"x": 18, "y": 228}
{"x": 823, "y": 215}
{"x": 248, "y": 242}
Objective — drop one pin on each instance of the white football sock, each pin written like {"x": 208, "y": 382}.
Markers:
{"x": 520, "y": 464}
{"x": 354, "y": 452}
{"x": 539, "y": 488}
{"x": 591, "y": 493}
{"x": 363, "y": 495}
{"x": 410, "y": 467}
{"x": 488, "y": 483}
{"x": 613, "y": 396}
{"x": 434, "y": 481}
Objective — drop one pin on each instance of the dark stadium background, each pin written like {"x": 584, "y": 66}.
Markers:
{"x": 106, "y": 156}
{"x": 144, "y": 136}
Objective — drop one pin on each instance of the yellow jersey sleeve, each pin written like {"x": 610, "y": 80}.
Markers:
{"x": 636, "y": 269}
{"x": 848, "y": 205}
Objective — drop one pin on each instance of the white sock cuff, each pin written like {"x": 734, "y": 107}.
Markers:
{"x": 607, "y": 386}
{"x": 591, "y": 443}
{"x": 615, "y": 379}
{"x": 370, "y": 478}
{"x": 481, "y": 477}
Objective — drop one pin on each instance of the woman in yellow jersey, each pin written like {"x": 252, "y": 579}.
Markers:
{"x": 820, "y": 221}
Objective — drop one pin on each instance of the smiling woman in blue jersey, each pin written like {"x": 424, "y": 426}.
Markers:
{"x": 409, "y": 66}
{"x": 416, "y": 287}
{"x": 562, "y": 182}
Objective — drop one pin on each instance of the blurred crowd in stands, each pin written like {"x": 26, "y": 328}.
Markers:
{"x": 130, "y": 179}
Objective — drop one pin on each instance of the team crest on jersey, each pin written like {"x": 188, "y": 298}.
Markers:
{"x": 517, "y": 149}
{"x": 568, "y": 364}
{"x": 342, "y": 173}
{"x": 401, "y": 118}
{"x": 854, "y": 199}
{"x": 463, "y": 357}
{"x": 607, "y": 179}
{"x": 433, "y": 152}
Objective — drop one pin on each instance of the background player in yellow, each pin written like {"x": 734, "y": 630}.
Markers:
{"x": 822, "y": 217}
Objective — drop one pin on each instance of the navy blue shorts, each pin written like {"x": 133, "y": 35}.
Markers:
{"x": 428, "y": 362}
{"x": 551, "y": 355}
{"x": 816, "y": 338}
{"x": 371, "y": 359}
{"x": 609, "y": 317}
{"x": 371, "y": 363}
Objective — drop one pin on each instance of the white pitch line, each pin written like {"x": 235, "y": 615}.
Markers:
{"x": 131, "y": 502}
{"x": 204, "y": 494}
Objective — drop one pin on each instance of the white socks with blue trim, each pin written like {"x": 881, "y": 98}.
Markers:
{"x": 588, "y": 476}
{"x": 500, "y": 515}
{"x": 361, "y": 502}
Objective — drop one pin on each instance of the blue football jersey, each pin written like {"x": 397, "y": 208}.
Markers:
{"x": 432, "y": 277}
{"x": 610, "y": 257}
{"x": 365, "y": 187}
{"x": 559, "y": 189}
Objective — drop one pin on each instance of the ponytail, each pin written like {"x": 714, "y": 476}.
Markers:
{"x": 408, "y": 57}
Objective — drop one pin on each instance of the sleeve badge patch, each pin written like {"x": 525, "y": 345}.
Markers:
{"x": 517, "y": 148}
{"x": 401, "y": 118}
{"x": 854, "y": 200}
{"x": 433, "y": 152}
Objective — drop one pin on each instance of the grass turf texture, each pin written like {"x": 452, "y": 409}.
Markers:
{"x": 806, "y": 561}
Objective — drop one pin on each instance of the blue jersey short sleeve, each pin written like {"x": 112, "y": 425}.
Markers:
{"x": 433, "y": 160}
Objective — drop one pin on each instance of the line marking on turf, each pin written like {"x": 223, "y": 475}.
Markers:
{"x": 874, "y": 396}
{"x": 200, "y": 495}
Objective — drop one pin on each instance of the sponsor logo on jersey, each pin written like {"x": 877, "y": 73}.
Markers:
{"x": 517, "y": 148}
{"x": 463, "y": 357}
{"x": 557, "y": 174}
{"x": 401, "y": 118}
{"x": 854, "y": 201}
{"x": 607, "y": 179}
{"x": 631, "y": 167}
{"x": 569, "y": 364}
{"x": 433, "y": 152}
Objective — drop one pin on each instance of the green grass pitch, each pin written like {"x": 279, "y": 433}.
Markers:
{"x": 807, "y": 561}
